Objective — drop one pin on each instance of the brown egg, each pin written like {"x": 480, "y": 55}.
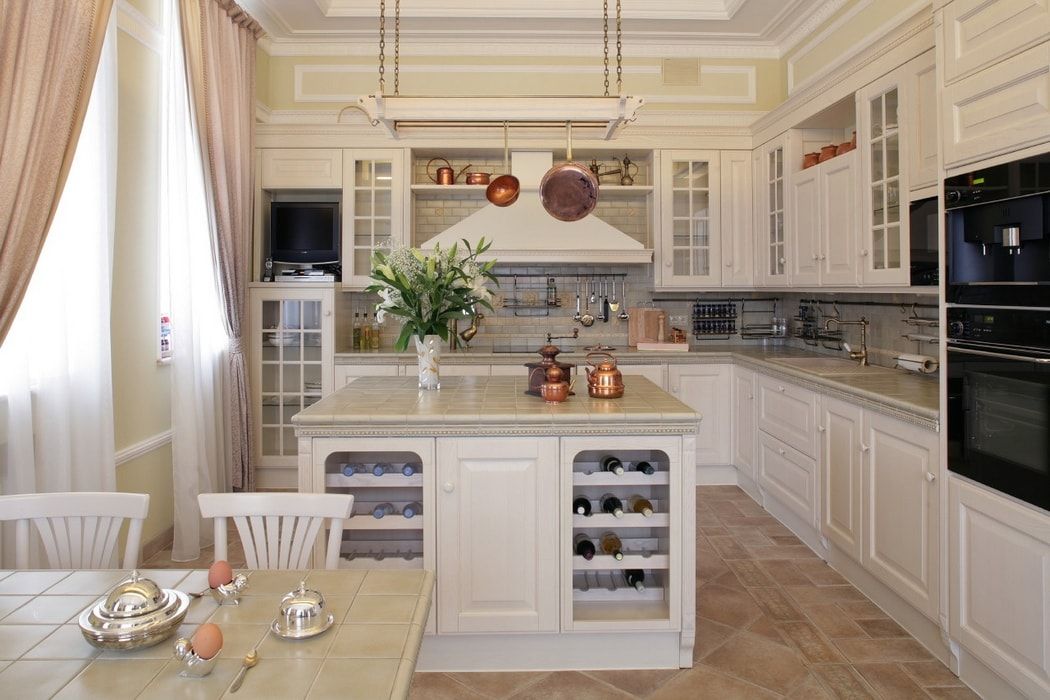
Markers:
{"x": 207, "y": 640}
{"x": 220, "y": 572}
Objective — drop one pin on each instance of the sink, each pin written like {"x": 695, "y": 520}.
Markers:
{"x": 824, "y": 365}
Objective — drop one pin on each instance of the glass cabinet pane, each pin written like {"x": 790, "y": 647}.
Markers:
{"x": 884, "y": 137}
{"x": 680, "y": 175}
{"x": 311, "y": 315}
{"x": 363, "y": 173}
{"x": 690, "y": 218}
{"x": 891, "y": 110}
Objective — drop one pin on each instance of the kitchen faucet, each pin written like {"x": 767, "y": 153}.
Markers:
{"x": 862, "y": 354}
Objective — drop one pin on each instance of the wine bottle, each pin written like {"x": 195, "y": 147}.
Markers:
{"x": 640, "y": 505}
{"x": 376, "y": 335}
{"x": 381, "y": 510}
{"x": 408, "y": 470}
{"x": 584, "y": 547}
{"x": 412, "y": 509}
{"x": 349, "y": 469}
{"x": 356, "y": 339}
{"x": 612, "y": 464}
{"x": 380, "y": 468}
{"x": 645, "y": 468}
{"x": 612, "y": 504}
{"x": 635, "y": 578}
{"x": 611, "y": 545}
{"x": 581, "y": 506}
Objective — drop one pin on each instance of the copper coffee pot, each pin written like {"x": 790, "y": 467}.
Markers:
{"x": 604, "y": 381}
{"x": 554, "y": 388}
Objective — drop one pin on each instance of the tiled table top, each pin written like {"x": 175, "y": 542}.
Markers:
{"x": 369, "y": 653}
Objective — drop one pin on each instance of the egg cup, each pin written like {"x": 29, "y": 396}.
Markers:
{"x": 193, "y": 665}
{"x": 230, "y": 593}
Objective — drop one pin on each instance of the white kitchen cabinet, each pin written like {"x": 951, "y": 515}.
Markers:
{"x": 901, "y": 528}
{"x": 771, "y": 222}
{"x": 738, "y": 240}
{"x": 804, "y": 242}
{"x": 743, "y": 398}
{"x": 921, "y": 97}
{"x": 301, "y": 168}
{"x": 789, "y": 413}
{"x": 690, "y": 224}
{"x": 373, "y": 209}
{"x": 840, "y": 474}
{"x": 344, "y": 374}
{"x": 291, "y": 351}
{"x": 999, "y": 584}
{"x": 788, "y": 475}
{"x": 706, "y": 389}
{"x": 839, "y": 234}
{"x": 657, "y": 374}
{"x": 980, "y": 33}
{"x": 1000, "y": 109}
{"x": 497, "y": 529}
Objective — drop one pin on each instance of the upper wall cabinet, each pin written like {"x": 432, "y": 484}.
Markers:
{"x": 979, "y": 33}
{"x": 770, "y": 212}
{"x": 920, "y": 96}
{"x": 301, "y": 168}
{"x": 373, "y": 209}
{"x": 823, "y": 244}
{"x": 690, "y": 225}
{"x": 738, "y": 252}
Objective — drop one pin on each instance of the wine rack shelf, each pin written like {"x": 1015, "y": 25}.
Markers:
{"x": 638, "y": 614}
{"x": 629, "y": 561}
{"x": 366, "y": 481}
{"x": 390, "y": 522}
{"x": 629, "y": 520}
{"x": 598, "y": 478}
{"x": 603, "y": 586}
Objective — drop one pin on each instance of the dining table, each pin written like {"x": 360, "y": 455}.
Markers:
{"x": 370, "y": 651}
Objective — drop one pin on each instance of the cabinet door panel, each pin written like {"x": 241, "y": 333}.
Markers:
{"x": 838, "y": 219}
{"x": 738, "y": 263}
{"x": 922, "y": 121}
{"x": 788, "y": 413}
{"x": 690, "y": 231}
{"x": 977, "y": 33}
{"x": 301, "y": 168}
{"x": 901, "y": 525}
{"x": 373, "y": 209}
{"x": 654, "y": 373}
{"x": 840, "y": 473}
{"x": 788, "y": 475}
{"x": 706, "y": 390}
{"x": 804, "y": 250}
{"x": 498, "y": 535}
{"x": 744, "y": 421}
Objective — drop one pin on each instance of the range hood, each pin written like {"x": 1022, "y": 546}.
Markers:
{"x": 524, "y": 232}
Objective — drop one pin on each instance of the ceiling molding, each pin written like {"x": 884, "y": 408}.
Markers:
{"x": 535, "y": 9}
{"x": 808, "y": 24}
{"x": 139, "y": 27}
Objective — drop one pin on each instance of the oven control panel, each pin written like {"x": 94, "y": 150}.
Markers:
{"x": 989, "y": 324}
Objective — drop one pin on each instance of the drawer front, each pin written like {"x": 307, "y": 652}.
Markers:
{"x": 978, "y": 33}
{"x": 789, "y": 413}
{"x": 301, "y": 168}
{"x": 1001, "y": 109}
{"x": 788, "y": 475}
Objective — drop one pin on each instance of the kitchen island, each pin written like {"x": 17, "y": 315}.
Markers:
{"x": 498, "y": 476}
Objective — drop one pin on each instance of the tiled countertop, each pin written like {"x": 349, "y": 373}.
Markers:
{"x": 902, "y": 394}
{"x": 370, "y": 653}
{"x": 492, "y": 406}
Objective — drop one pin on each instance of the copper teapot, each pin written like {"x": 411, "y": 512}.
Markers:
{"x": 554, "y": 388}
{"x": 604, "y": 381}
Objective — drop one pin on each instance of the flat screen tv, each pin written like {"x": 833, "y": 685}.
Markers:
{"x": 304, "y": 232}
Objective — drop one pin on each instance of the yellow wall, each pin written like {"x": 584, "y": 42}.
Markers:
{"x": 141, "y": 391}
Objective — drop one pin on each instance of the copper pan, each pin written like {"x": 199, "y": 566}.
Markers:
{"x": 504, "y": 190}
{"x": 569, "y": 191}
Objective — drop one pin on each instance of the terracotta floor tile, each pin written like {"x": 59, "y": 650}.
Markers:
{"x": 700, "y": 683}
{"x": 871, "y": 650}
{"x": 729, "y": 548}
{"x": 785, "y": 540}
{"x": 776, "y": 604}
{"x": 861, "y": 609}
{"x": 760, "y": 661}
{"x": 765, "y": 627}
{"x": 725, "y": 508}
{"x": 820, "y": 573}
{"x": 774, "y": 527}
{"x": 891, "y": 682}
{"x": 439, "y": 686}
{"x": 639, "y": 683}
{"x": 569, "y": 685}
{"x": 843, "y": 682}
{"x": 833, "y": 621}
{"x": 785, "y": 573}
{"x": 731, "y": 607}
{"x": 960, "y": 693}
{"x": 750, "y": 573}
{"x": 807, "y": 595}
{"x": 749, "y": 536}
{"x": 495, "y": 685}
{"x": 759, "y": 521}
{"x": 931, "y": 673}
{"x": 810, "y": 689}
{"x": 813, "y": 646}
{"x": 714, "y": 530}
{"x": 880, "y": 628}
{"x": 709, "y": 567}
{"x": 729, "y": 580}
{"x": 709, "y": 636}
{"x": 799, "y": 551}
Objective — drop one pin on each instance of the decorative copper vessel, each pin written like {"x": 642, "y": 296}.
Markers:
{"x": 844, "y": 147}
{"x": 478, "y": 178}
{"x": 536, "y": 379}
{"x": 810, "y": 159}
{"x": 827, "y": 152}
{"x": 554, "y": 389}
{"x": 604, "y": 381}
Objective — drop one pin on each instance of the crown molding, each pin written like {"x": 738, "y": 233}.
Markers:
{"x": 139, "y": 27}
{"x": 816, "y": 40}
{"x": 808, "y": 24}
{"x": 537, "y": 9}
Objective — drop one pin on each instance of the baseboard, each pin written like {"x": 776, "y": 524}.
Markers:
{"x": 159, "y": 543}
{"x": 716, "y": 475}
{"x": 984, "y": 681}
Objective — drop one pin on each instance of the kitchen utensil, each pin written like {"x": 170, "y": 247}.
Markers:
{"x": 554, "y": 388}
{"x": 576, "y": 316}
{"x": 596, "y": 168}
{"x": 587, "y": 319}
{"x": 504, "y": 190}
{"x": 569, "y": 191}
{"x": 627, "y": 177}
{"x": 549, "y": 352}
{"x": 614, "y": 303}
{"x": 446, "y": 175}
{"x": 604, "y": 381}
{"x": 593, "y": 297}
{"x": 137, "y": 613}
{"x": 478, "y": 178}
{"x": 250, "y": 660}
{"x": 605, "y": 301}
{"x": 624, "y": 316}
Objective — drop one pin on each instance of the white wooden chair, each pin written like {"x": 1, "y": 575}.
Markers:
{"x": 78, "y": 529}
{"x": 278, "y": 530}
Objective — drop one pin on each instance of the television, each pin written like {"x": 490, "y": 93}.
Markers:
{"x": 304, "y": 232}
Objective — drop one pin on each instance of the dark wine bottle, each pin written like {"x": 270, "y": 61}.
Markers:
{"x": 645, "y": 468}
{"x": 612, "y": 464}
{"x": 581, "y": 506}
{"x": 612, "y": 504}
{"x": 635, "y": 578}
{"x": 584, "y": 547}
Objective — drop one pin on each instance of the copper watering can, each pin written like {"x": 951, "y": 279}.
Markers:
{"x": 446, "y": 175}
{"x": 604, "y": 381}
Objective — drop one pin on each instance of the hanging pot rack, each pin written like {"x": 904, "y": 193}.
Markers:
{"x": 395, "y": 112}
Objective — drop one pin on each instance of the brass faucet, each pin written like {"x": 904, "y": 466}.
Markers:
{"x": 862, "y": 354}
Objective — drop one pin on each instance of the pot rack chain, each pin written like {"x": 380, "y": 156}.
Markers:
{"x": 382, "y": 46}
{"x": 397, "y": 47}
{"x": 619, "y": 46}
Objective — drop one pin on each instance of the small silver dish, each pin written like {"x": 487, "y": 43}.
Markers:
{"x": 302, "y": 614}
{"x": 230, "y": 593}
{"x": 137, "y": 613}
{"x": 193, "y": 666}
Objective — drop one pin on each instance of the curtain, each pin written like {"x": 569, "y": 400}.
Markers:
{"x": 56, "y": 433}
{"x": 198, "y": 336}
{"x": 220, "y": 41}
{"x": 49, "y": 50}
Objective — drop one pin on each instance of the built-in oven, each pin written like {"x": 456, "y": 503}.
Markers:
{"x": 998, "y": 413}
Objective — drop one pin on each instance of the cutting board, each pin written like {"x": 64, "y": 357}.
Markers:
{"x": 643, "y": 325}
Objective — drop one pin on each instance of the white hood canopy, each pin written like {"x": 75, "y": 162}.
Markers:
{"x": 525, "y": 232}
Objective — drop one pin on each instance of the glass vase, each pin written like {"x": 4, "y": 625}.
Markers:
{"x": 428, "y": 354}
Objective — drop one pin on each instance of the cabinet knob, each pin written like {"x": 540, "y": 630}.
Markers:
{"x": 930, "y": 477}
{"x": 864, "y": 253}
{"x": 816, "y": 257}
{"x": 864, "y": 448}
{"x": 781, "y": 388}
{"x": 823, "y": 257}
{"x": 780, "y": 451}
{"x": 782, "y": 260}
{"x": 820, "y": 428}
{"x": 328, "y": 313}
{"x": 667, "y": 263}
{"x": 750, "y": 397}
{"x": 729, "y": 263}
{"x": 448, "y": 487}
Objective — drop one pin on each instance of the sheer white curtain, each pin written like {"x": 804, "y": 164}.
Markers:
{"x": 198, "y": 336}
{"x": 56, "y": 433}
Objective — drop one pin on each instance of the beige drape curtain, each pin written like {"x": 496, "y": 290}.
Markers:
{"x": 219, "y": 39}
{"x": 49, "y": 51}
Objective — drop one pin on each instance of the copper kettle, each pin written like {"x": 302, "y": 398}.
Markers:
{"x": 604, "y": 381}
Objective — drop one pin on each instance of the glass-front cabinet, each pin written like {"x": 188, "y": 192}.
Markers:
{"x": 770, "y": 173}
{"x": 690, "y": 246}
{"x": 373, "y": 209}
{"x": 884, "y": 250}
{"x": 292, "y": 358}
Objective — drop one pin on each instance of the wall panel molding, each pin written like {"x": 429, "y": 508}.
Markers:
{"x": 143, "y": 447}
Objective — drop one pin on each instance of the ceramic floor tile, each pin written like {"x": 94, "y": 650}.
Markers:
{"x": 709, "y": 636}
{"x": 766, "y": 627}
{"x": 833, "y": 621}
{"x": 820, "y": 573}
{"x": 729, "y": 606}
{"x": 879, "y": 628}
{"x": 810, "y": 643}
{"x": 784, "y": 573}
{"x": 728, "y": 548}
{"x": 871, "y": 650}
{"x": 862, "y": 610}
{"x": 439, "y": 686}
{"x": 809, "y": 595}
{"x": 569, "y": 685}
{"x": 891, "y": 681}
{"x": 955, "y": 693}
{"x": 931, "y": 673}
{"x": 496, "y": 685}
{"x": 760, "y": 661}
{"x": 750, "y": 573}
{"x": 638, "y": 683}
{"x": 776, "y": 604}
{"x": 10, "y": 603}
{"x": 810, "y": 689}
{"x": 701, "y": 682}
{"x": 843, "y": 682}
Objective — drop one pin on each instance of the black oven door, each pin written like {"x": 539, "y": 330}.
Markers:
{"x": 999, "y": 418}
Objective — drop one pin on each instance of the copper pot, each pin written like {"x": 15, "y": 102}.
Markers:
{"x": 844, "y": 147}
{"x": 810, "y": 159}
{"x": 504, "y": 190}
{"x": 569, "y": 191}
{"x": 478, "y": 178}
{"x": 604, "y": 381}
{"x": 827, "y": 152}
{"x": 554, "y": 389}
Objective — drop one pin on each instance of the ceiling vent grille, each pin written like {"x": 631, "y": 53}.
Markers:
{"x": 681, "y": 72}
